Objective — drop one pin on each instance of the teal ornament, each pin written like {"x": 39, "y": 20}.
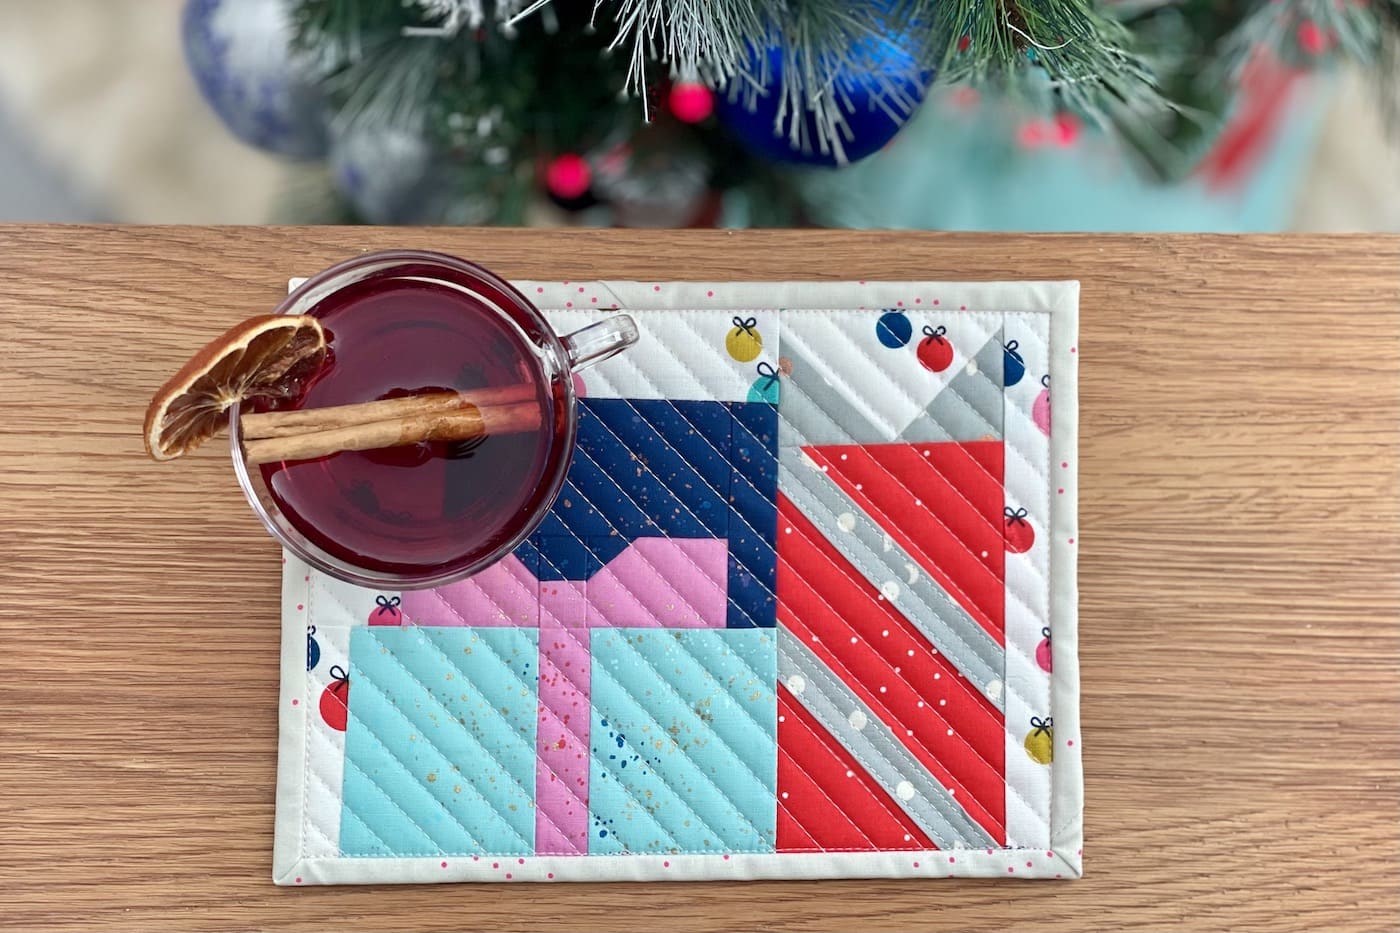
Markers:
{"x": 766, "y": 388}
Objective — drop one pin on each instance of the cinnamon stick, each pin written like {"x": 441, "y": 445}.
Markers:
{"x": 458, "y": 425}
{"x": 287, "y": 423}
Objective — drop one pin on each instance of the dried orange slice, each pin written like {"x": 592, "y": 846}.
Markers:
{"x": 264, "y": 357}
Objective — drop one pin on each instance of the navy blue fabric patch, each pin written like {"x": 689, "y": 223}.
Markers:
{"x": 674, "y": 469}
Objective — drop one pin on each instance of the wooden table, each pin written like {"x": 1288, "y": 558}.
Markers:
{"x": 1241, "y": 612}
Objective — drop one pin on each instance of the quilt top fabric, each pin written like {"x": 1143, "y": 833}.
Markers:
{"x": 805, "y": 608}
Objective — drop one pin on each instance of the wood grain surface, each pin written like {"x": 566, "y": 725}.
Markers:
{"x": 1240, "y": 583}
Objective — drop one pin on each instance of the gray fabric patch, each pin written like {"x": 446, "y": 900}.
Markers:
{"x": 970, "y": 407}
{"x": 813, "y": 412}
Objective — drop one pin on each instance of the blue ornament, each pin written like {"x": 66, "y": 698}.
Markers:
{"x": 1013, "y": 366}
{"x": 313, "y": 650}
{"x": 894, "y": 329}
{"x": 766, "y": 388}
{"x": 242, "y": 57}
{"x": 869, "y": 123}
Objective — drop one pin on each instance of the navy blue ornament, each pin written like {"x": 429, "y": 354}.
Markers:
{"x": 313, "y": 650}
{"x": 242, "y": 57}
{"x": 894, "y": 329}
{"x": 869, "y": 122}
{"x": 1013, "y": 366}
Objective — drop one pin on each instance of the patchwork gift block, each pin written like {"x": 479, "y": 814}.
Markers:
{"x": 805, "y": 607}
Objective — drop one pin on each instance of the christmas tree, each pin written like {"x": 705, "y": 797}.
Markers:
{"x": 464, "y": 111}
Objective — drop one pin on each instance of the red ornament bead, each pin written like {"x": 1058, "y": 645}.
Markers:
{"x": 568, "y": 176}
{"x": 1311, "y": 38}
{"x": 691, "y": 102}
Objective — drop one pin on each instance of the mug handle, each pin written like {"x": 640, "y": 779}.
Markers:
{"x": 600, "y": 341}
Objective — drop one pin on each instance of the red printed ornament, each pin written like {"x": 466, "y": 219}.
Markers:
{"x": 935, "y": 351}
{"x": 335, "y": 699}
{"x": 1019, "y": 533}
{"x": 387, "y": 611}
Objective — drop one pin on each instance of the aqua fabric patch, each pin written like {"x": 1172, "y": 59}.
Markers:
{"x": 684, "y": 741}
{"x": 440, "y": 741}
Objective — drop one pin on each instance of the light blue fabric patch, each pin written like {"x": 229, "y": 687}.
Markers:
{"x": 684, "y": 741}
{"x": 440, "y": 743}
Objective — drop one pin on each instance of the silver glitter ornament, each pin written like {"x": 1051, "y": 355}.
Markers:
{"x": 242, "y": 57}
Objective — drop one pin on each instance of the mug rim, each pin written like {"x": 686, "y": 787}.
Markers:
{"x": 298, "y": 301}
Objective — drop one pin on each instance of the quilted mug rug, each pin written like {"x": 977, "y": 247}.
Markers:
{"x": 806, "y": 607}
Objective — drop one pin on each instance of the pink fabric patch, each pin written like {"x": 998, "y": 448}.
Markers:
{"x": 506, "y": 593}
{"x": 667, "y": 582}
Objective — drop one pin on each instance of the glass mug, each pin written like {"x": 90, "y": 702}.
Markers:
{"x": 401, "y": 323}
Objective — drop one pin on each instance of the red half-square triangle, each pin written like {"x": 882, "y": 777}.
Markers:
{"x": 941, "y": 502}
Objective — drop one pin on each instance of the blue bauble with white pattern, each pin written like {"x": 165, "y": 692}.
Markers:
{"x": 242, "y": 57}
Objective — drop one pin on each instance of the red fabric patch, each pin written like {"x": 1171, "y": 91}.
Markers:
{"x": 866, "y": 642}
{"x": 943, "y": 504}
{"x": 820, "y": 809}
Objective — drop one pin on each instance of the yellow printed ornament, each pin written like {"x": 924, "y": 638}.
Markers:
{"x": 744, "y": 342}
{"x": 1040, "y": 743}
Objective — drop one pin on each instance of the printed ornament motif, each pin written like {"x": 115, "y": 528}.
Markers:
{"x": 386, "y": 611}
{"x": 1013, "y": 366}
{"x": 766, "y": 388}
{"x": 935, "y": 351}
{"x": 1040, "y": 409}
{"x": 1019, "y": 534}
{"x": 1043, "y": 656}
{"x": 313, "y": 650}
{"x": 1040, "y": 742}
{"x": 744, "y": 342}
{"x": 335, "y": 699}
{"x": 893, "y": 329}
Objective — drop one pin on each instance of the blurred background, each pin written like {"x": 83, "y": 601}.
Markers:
{"x": 440, "y": 111}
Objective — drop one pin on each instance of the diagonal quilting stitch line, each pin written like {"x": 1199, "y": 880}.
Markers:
{"x": 886, "y": 803}
{"x": 532, "y": 746}
{"x": 959, "y": 684}
{"x": 947, "y": 812}
{"x": 888, "y": 387}
{"x": 845, "y": 674}
{"x": 821, "y": 790}
{"x": 700, "y": 434}
{"x": 636, "y": 601}
{"x": 1008, "y": 444}
{"x": 967, "y": 641}
{"x": 580, "y": 451}
{"x": 652, "y": 818}
{"x": 617, "y": 772}
{"x": 485, "y": 752}
{"x": 734, "y": 421}
{"x": 813, "y": 847}
{"x": 758, "y": 676}
{"x": 379, "y": 840}
{"x": 708, "y": 582}
{"x": 569, "y": 633}
{"x": 796, "y": 655}
{"x": 813, "y": 485}
{"x": 457, "y": 613}
{"x": 350, "y": 763}
{"x": 709, "y": 730}
{"x": 646, "y": 377}
{"x": 875, "y": 513}
{"x": 390, "y": 800}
